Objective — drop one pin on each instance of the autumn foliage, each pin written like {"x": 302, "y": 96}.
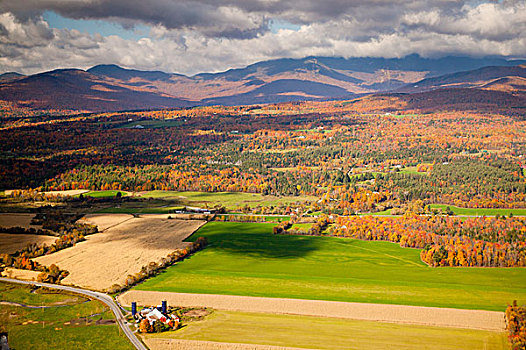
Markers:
{"x": 516, "y": 325}
{"x": 446, "y": 241}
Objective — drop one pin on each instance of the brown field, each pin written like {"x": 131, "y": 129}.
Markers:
{"x": 105, "y": 221}
{"x": 10, "y": 243}
{"x": 125, "y": 244}
{"x": 26, "y": 275}
{"x": 16, "y": 219}
{"x": 66, "y": 193}
{"x": 182, "y": 344}
{"x": 417, "y": 315}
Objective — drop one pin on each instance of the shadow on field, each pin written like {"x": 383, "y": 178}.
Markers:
{"x": 256, "y": 241}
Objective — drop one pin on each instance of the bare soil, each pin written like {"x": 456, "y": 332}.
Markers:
{"x": 428, "y": 316}
{"x": 105, "y": 221}
{"x": 125, "y": 244}
{"x": 12, "y": 242}
{"x": 16, "y": 219}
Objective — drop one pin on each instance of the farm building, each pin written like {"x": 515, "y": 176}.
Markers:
{"x": 153, "y": 314}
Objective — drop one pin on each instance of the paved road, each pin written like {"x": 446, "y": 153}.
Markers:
{"x": 106, "y": 299}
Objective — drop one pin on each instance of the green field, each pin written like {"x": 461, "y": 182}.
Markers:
{"x": 304, "y": 227}
{"x": 332, "y": 333}
{"x": 247, "y": 259}
{"x": 267, "y": 218}
{"x": 227, "y": 199}
{"x": 383, "y": 212}
{"x": 103, "y": 194}
{"x": 48, "y": 328}
{"x": 479, "y": 211}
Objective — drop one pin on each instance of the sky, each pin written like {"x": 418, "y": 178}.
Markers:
{"x": 193, "y": 36}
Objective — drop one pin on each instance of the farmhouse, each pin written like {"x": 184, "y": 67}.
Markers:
{"x": 153, "y": 314}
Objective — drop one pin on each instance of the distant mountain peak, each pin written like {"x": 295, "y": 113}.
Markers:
{"x": 8, "y": 76}
{"x": 107, "y": 87}
{"x": 117, "y": 72}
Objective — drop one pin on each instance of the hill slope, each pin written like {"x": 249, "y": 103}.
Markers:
{"x": 110, "y": 87}
{"x": 499, "y": 78}
{"x": 79, "y": 90}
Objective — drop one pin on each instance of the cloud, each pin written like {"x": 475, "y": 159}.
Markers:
{"x": 212, "y": 35}
{"x": 487, "y": 21}
{"x": 228, "y": 18}
{"x": 211, "y": 18}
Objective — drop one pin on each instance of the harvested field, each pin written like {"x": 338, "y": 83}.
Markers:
{"x": 11, "y": 242}
{"x": 66, "y": 193}
{"x": 105, "y": 221}
{"x": 16, "y": 219}
{"x": 125, "y": 244}
{"x": 181, "y": 344}
{"x": 18, "y": 274}
{"x": 245, "y": 330}
{"x": 417, "y": 315}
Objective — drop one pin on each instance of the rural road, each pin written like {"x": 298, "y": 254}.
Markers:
{"x": 106, "y": 299}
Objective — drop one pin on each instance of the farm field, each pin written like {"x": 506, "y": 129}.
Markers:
{"x": 17, "y": 219}
{"x": 10, "y": 242}
{"x": 67, "y": 321}
{"x": 247, "y": 259}
{"x": 330, "y": 333}
{"x": 66, "y": 192}
{"x": 102, "y": 194}
{"x": 125, "y": 245}
{"x": 227, "y": 199}
{"x": 405, "y": 314}
{"x": 480, "y": 211}
{"x": 141, "y": 208}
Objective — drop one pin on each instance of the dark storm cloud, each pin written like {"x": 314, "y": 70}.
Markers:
{"x": 219, "y": 19}
{"x": 230, "y": 18}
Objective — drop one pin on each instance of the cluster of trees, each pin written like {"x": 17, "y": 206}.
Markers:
{"x": 22, "y": 259}
{"x": 240, "y": 218}
{"x": 464, "y": 182}
{"x": 32, "y": 195}
{"x": 516, "y": 324}
{"x": 26, "y": 231}
{"x": 446, "y": 241}
{"x": 316, "y": 229}
{"x": 353, "y": 162}
{"x": 157, "y": 326}
{"x": 52, "y": 274}
{"x": 154, "y": 267}
{"x": 281, "y": 228}
{"x": 159, "y": 177}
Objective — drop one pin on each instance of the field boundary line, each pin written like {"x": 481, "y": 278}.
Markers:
{"x": 190, "y": 344}
{"x": 404, "y": 314}
{"x": 84, "y": 218}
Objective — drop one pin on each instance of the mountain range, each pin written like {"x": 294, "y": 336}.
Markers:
{"x": 113, "y": 88}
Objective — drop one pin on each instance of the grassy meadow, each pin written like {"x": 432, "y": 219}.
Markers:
{"x": 227, "y": 199}
{"x": 69, "y": 321}
{"x": 479, "y": 211}
{"x": 331, "y": 333}
{"x": 105, "y": 194}
{"x": 247, "y": 259}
